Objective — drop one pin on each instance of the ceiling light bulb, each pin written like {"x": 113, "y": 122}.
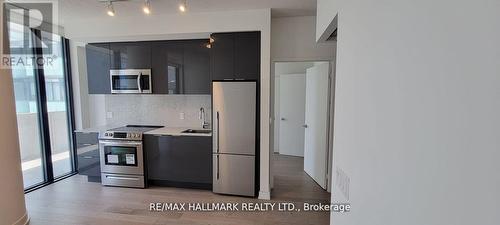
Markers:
{"x": 109, "y": 9}
{"x": 182, "y": 6}
{"x": 147, "y": 7}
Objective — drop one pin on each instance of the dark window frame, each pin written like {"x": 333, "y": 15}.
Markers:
{"x": 41, "y": 90}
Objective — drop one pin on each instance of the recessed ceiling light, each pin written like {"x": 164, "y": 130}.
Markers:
{"x": 109, "y": 9}
{"x": 183, "y": 6}
{"x": 147, "y": 7}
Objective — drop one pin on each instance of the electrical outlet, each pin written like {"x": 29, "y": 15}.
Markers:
{"x": 181, "y": 116}
{"x": 109, "y": 115}
{"x": 343, "y": 182}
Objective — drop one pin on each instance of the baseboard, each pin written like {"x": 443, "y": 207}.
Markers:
{"x": 25, "y": 219}
{"x": 264, "y": 195}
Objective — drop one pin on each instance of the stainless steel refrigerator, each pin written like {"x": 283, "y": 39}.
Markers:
{"x": 234, "y": 112}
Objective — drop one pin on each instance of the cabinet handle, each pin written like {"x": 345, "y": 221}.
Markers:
{"x": 87, "y": 157}
{"x": 87, "y": 144}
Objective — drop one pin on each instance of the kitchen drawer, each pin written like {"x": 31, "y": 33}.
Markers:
{"x": 89, "y": 162}
{"x": 86, "y": 139}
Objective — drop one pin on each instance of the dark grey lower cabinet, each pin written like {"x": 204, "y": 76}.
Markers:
{"x": 179, "y": 161}
{"x": 88, "y": 160}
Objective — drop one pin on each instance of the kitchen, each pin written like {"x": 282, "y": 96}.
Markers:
{"x": 213, "y": 141}
{"x": 163, "y": 107}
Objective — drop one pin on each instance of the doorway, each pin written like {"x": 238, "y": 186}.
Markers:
{"x": 301, "y": 112}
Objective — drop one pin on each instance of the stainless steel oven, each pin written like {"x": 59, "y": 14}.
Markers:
{"x": 122, "y": 159}
{"x": 131, "y": 81}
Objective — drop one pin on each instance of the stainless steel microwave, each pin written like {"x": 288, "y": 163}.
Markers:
{"x": 131, "y": 81}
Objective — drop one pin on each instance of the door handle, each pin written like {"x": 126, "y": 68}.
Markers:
{"x": 283, "y": 119}
{"x": 305, "y": 126}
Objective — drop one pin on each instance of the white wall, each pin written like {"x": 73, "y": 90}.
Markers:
{"x": 12, "y": 205}
{"x": 174, "y": 26}
{"x": 293, "y": 39}
{"x": 417, "y": 112}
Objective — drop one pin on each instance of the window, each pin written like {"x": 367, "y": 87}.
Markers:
{"x": 43, "y": 109}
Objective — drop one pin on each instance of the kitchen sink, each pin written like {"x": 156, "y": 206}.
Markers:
{"x": 192, "y": 131}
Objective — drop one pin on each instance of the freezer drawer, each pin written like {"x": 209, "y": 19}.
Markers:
{"x": 234, "y": 117}
{"x": 234, "y": 174}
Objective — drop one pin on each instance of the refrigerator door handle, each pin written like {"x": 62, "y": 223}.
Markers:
{"x": 217, "y": 132}
{"x": 217, "y": 167}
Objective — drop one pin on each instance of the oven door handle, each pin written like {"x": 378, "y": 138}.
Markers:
{"x": 120, "y": 143}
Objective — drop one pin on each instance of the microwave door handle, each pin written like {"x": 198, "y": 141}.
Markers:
{"x": 139, "y": 83}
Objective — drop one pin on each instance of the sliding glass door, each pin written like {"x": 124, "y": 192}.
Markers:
{"x": 57, "y": 106}
{"x": 27, "y": 109}
{"x": 43, "y": 106}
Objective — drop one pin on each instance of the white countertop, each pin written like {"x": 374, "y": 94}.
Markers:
{"x": 176, "y": 131}
{"x": 96, "y": 129}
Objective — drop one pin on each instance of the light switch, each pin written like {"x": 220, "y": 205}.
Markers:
{"x": 109, "y": 115}
{"x": 181, "y": 115}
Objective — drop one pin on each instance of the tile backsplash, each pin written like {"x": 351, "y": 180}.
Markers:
{"x": 157, "y": 109}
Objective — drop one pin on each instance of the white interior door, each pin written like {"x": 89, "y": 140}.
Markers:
{"x": 292, "y": 114}
{"x": 316, "y": 112}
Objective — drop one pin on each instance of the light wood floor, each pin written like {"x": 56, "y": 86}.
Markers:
{"x": 76, "y": 201}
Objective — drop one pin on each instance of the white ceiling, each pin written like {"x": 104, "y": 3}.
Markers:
{"x": 78, "y": 9}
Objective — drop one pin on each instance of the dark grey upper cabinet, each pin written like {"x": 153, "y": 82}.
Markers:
{"x": 196, "y": 77}
{"x": 180, "y": 67}
{"x": 98, "y": 64}
{"x": 167, "y": 67}
{"x": 130, "y": 55}
{"x": 235, "y": 56}
{"x": 247, "y": 55}
{"x": 222, "y": 56}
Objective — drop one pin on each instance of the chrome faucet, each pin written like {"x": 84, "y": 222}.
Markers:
{"x": 204, "y": 123}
